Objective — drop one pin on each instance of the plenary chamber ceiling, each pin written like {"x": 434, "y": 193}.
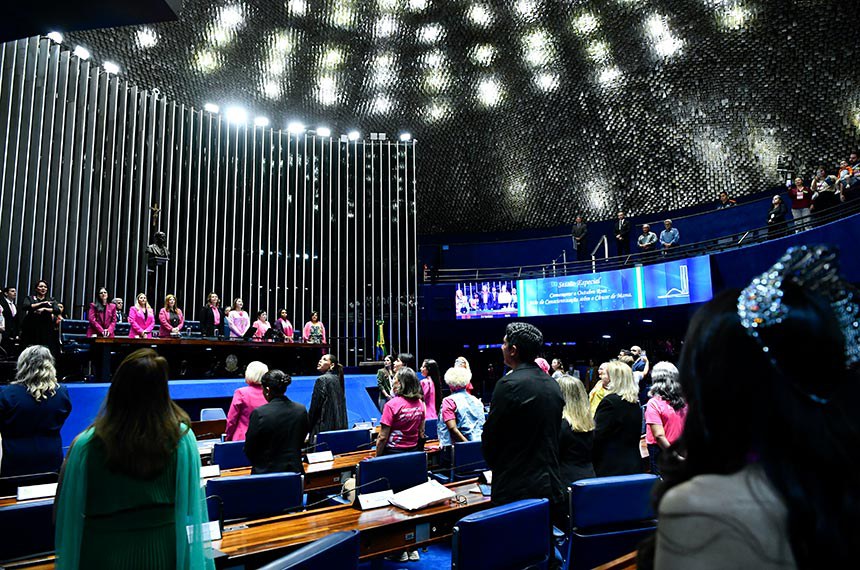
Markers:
{"x": 95, "y": 165}
{"x": 530, "y": 111}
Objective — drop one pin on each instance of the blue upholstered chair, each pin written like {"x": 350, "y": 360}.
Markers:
{"x": 609, "y": 517}
{"x": 28, "y": 529}
{"x": 337, "y": 550}
{"x": 212, "y": 414}
{"x": 255, "y": 496}
{"x": 467, "y": 460}
{"x": 431, "y": 429}
{"x": 515, "y": 536}
{"x": 400, "y": 471}
{"x": 343, "y": 440}
{"x": 230, "y": 454}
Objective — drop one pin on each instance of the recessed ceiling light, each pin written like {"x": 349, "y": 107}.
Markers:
{"x": 261, "y": 121}
{"x": 55, "y": 37}
{"x": 146, "y": 38}
{"x": 110, "y": 67}
{"x": 211, "y": 108}
{"x": 405, "y": 137}
{"x": 647, "y": 321}
{"x": 353, "y": 135}
{"x": 607, "y": 336}
{"x": 236, "y": 115}
{"x": 296, "y": 128}
{"x": 324, "y": 131}
{"x": 81, "y": 52}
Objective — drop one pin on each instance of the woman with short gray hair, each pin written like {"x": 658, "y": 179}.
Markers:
{"x": 33, "y": 408}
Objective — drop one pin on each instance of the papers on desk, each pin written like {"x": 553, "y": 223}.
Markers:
{"x": 208, "y": 471}
{"x": 320, "y": 457}
{"x": 375, "y": 500}
{"x": 422, "y": 495}
{"x": 37, "y": 491}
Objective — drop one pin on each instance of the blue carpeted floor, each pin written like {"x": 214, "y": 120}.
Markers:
{"x": 437, "y": 557}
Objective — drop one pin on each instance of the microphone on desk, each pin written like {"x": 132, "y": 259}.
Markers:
{"x": 314, "y": 446}
{"x": 348, "y": 491}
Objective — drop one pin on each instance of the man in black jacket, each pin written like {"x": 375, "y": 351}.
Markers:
{"x": 622, "y": 235}
{"x": 579, "y": 233}
{"x": 520, "y": 439}
{"x": 10, "y": 315}
{"x": 277, "y": 430}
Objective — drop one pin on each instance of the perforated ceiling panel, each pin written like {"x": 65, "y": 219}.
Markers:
{"x": 528, "y": 112}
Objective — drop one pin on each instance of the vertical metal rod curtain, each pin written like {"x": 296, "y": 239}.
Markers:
{"x": 92, "y": 166}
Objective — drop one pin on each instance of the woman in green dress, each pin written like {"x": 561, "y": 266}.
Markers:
{"x": 130, "y": 494}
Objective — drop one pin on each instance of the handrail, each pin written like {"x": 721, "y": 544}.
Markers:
{"x": 722, "y": 243}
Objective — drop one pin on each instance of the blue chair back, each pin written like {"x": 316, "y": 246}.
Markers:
{"x": 29, "y": 529}
{"x": 255, "y": 496}
{"x": 230, "y": 454}
{"x": 400, "y": 471}
{"x": 337, "y": 550}
{"x": 518, "y": 533}
{"x": 467, "y": 459}
{"x": 431, "y": 429}
{"x": 609, "y": 517}
{"x": 212, "y": 414}
{"x": 343, "y": 440}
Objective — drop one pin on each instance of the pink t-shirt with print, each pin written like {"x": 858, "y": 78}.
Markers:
{"x": 659, "y": 412}
{"x": 405, "y": 418}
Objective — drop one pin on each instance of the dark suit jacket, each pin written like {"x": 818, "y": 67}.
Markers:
{"x": 328, "y": 405}
{"x": 207, "y": 321}
{"x": 11, "y": 322}
{"x": 617, "y": 428}
{"x": 275, "y": 436}
{"x": 575, "y": 456}
{"x": 521, "y": 437}
{"x": 31, "y": 430}
{"x": 622, "y": 229}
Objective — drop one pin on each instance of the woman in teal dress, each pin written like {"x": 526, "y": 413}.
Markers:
{"x": 130, "y": 486}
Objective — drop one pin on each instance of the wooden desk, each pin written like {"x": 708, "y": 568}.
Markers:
{"x": 626, "y": 562}
{"x": 381, "y": 531}
{"x": 209, "y": 429}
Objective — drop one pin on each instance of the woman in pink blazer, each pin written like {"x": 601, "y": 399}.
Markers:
{"x": 170, "y": 318}
{"x": 101, "y": 316}
{"x": 245, "y": 401}
{"x": 141, "y": 319}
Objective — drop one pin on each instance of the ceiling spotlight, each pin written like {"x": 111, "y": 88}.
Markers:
{"x": 261, "y": 121}
{"x": 211, "y": 108}
{"x": 405, "y": 137}
{"x": 647, "y": 321}
{"x": 324, "y": 131}
{"x": 55, "y": 37}
{"x": 607, "y": 336}
{"x": 353, "y": 135}
{"x": 296, "y": 128}
{"x": 146, "y": 38}
{"x": 81, "y": 52}
{"x": 236, "y": 115}
{"x": 110, "y": 67}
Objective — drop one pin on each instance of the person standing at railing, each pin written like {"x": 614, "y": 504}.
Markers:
{"x": 725, "y": 201}
{"x": 669, "y": 237}
{"x": 801, "y": 200}
{"x": 647, "y": 241}
{"x": 579, "y": 232}
{"x": 824, "y": 197}
{"x": 622, "y": 235}
{"x": 776, "y": 218}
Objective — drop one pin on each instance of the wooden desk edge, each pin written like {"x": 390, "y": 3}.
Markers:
{"x": 626, "y": 562}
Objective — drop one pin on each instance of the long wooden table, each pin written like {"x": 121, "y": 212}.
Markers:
{"x": 381, "y": 531}
{"x": 102, "y": 347}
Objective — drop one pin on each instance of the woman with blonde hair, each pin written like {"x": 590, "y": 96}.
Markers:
{"x": 33, "y": 408}
{"x": 141, "y": 319}
{"x": 246, "y": 400}
{"x": 576, "y": 438}
{"x": 130, "y": 495}
{"x": 618, "y": 425}
{"x": 601, "y": 388}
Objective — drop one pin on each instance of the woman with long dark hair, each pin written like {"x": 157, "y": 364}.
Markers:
{"x": 37, "y": 319}
{"x": 130, "y": 487}
{"x": 768, "y": 477}
{"x": 328, "y": 401}
{"x": 170, "y": 318}
{"x": 664, "y": 413}
{"x": 101, "y": 316}
{"x": 384, "y": 378}
{"x": 431, "y": 387}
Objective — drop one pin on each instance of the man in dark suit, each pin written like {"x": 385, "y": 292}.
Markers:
{"x": 277, "y": 430}
{"x": 579, "y": 232}
{"x": 520, "y": 439}
{"x": 212, "y": 318}
{"x": 622, "y": 235}
{"x": 10, "y": 315}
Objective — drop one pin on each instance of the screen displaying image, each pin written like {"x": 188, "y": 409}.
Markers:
{"x": 486, "y": 299}
{"x": 678, "y": 282}
{"x": 574, "y": 294}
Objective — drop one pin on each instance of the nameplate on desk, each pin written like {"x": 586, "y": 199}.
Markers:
{"x": 37, "y": 491}
{"x": 362, "y": 425}
{"x": 375, "y": 500}
{"x": 209, "y": 530}
{"x": 204, "y": 449}
{"x": 320, "y": 457}
{"x": 208, "y": 471}
{"x": 422, "y": 495}
{"x": 488, "y": 477}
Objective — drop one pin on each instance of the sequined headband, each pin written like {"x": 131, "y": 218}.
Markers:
{"x": 816, "y": 269}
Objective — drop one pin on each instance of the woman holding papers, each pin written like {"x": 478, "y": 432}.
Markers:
{"x": 130, "y": 494}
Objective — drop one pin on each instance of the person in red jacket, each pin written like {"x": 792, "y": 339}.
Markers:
{"x": 801, "y": 200}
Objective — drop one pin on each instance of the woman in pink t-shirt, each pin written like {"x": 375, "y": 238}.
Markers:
{"x": 402, "y": 424}
{"x": 245, "y": 401}
{"x": 665, "y": 412}
{"x": 431, "y": 387}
